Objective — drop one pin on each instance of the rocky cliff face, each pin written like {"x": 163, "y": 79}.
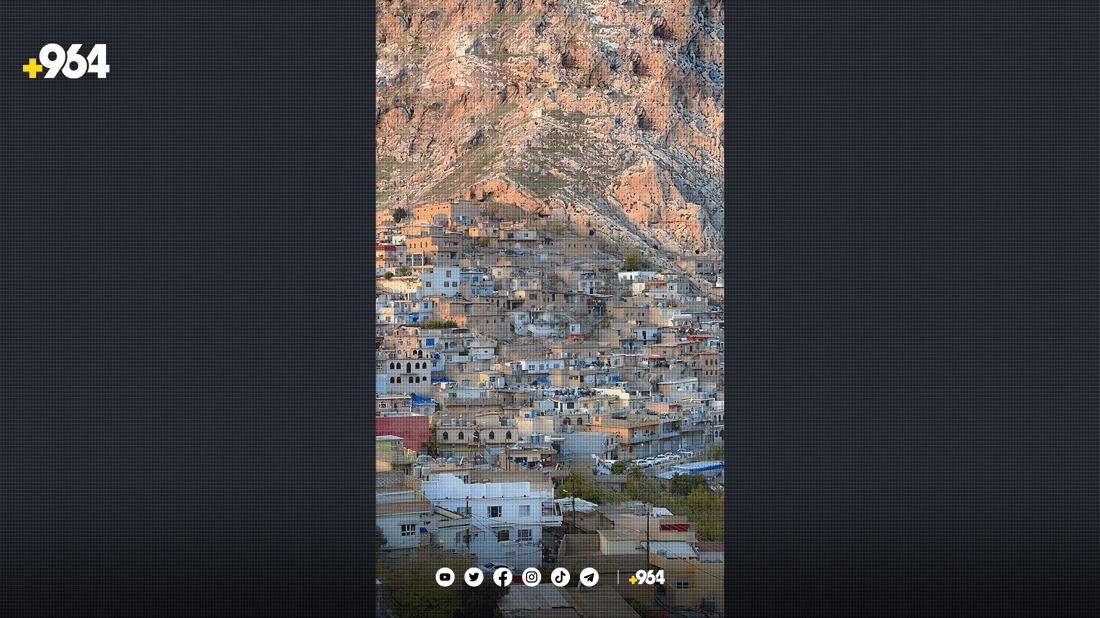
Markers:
{"x": 605, "y": 115}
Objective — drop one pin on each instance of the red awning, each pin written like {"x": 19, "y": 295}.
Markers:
{"x": 675, "y": 527}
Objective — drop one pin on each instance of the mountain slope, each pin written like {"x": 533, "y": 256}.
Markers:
{"x": 605, "y": 115}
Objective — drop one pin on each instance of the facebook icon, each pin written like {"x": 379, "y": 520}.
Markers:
{"x": 502, "y": 577}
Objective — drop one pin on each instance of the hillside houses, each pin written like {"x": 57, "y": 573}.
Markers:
{"x": 505, "y": 354}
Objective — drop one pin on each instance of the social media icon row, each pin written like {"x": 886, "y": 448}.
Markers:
{"x": 503, "y": 577}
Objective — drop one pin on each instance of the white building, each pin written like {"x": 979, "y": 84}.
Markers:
{"x": 540, "y": 365}
{"x": 391, "y": 310}
{"x": 441, "y": 281}
{"x": 476, "y": 282}
{"x": 636, "y": 275}
{"x": 580, "y": 446}
{"x": 507, "y": 518}
{"x": 399, "y": 514}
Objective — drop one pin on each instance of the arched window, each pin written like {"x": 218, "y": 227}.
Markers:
{"x": 445, "y": 435}
{"x": 492, "y": 435}
{"x": 566, "y": 422}
{"x": 391, "y": 379}
{"x": 417, "y": 366}
{"x": 461, "y": 436}
{"x": 408, "y": 367}
{"x": 391, "y": 365}
{"x": 580, "y": 421}
{"x": 508, "y": 436}
{"x": 399, "y": 379}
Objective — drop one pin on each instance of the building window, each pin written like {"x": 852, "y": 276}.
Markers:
{"x": 494, "y": 511}
{"x": 524, "y": 510}
{"x": 523, "y": 535}
{"x": 682, "y": 583}
{"x": 461, "y": 436}
{"x": 508, "y": 436}
{"x": 445, "y": 435}
{"x": 492, "y": 435}
{"x": 502, "y": 535}
{"x": 408, "y": 529}
{"x": 391, "y": 379}
{"x": 399, "y": 380}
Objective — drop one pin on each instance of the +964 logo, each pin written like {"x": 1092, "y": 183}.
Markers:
{"x": 71, "y": 63}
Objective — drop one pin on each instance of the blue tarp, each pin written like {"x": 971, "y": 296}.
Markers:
{"x": 700, "y": 466}
{"x": 544, "y": 380}
{"x": 417, "y": 399}
{"x": 442, "y": 381}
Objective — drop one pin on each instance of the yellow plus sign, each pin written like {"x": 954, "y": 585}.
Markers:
{"x": 633, "y": 580}
{"x": 33, "y": 68}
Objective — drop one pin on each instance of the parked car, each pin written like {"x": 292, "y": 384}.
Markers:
{"x": 644, "y": 463}
{"x": 687, "y": 453}
{"x": 662, "y": 459}
{"x": 491, "y": 567}
{"x": 675, "y": 456}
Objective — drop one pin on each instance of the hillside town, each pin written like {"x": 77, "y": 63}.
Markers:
{"x": 549, "y": 398}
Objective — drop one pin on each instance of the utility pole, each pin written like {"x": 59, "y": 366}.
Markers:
{"x": 647, "y": 545}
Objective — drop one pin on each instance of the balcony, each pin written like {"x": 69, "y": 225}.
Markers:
{"x": 398, "y": 459}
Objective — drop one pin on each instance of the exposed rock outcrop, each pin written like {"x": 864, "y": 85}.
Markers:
{"x": 606, "y": 115}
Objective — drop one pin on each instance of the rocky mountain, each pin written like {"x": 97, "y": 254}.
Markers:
{"x": 607, "y": 116}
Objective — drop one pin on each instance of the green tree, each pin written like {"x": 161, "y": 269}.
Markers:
{"x": 413, "y": 598}
{"x": 618, "y": 467}
{"x": 684, "y": 484}
{"x": 388, "y": 275}
{"x": 399, "y": 214}
{"x": 557, "y": 227}
{"x": 483, "y": 241}
{"x": 716, "y": 452}
{"x": 573, "y": 485}
{"x": 606, "y": 322}
{"x": 642, "y": 487}
{"x": 633, "y": 260}
{"x": 379, "y": 537}
{"x": 481, "y": 601}
{"x": 439, "y": 324}
{"x": 404, "y": 271}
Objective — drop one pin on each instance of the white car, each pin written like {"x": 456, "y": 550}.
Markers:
{"x": 491, "y": 567}
{"x": 687, "y": 453}
{"x": 662, "y": 459}
{"x": 643, "y": 463}
{"x": 675, "y": 456}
